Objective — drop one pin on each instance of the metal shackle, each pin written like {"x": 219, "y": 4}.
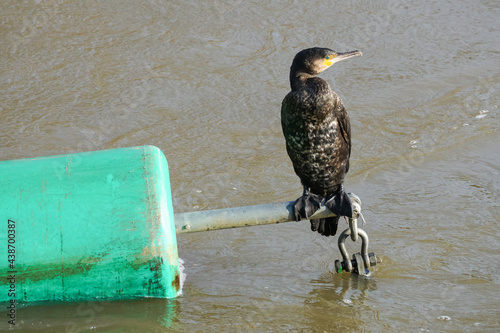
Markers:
{"x": 347, "y": 264}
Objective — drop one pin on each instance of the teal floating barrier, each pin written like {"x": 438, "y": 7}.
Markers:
{"x": 87, "y": 226}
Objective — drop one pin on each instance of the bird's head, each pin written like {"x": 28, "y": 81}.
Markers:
{"x": 317, "y": 59}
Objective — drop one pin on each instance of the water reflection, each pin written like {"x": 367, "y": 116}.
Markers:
{"x": 342, "y": 298}
{"x": 145, "y": 315}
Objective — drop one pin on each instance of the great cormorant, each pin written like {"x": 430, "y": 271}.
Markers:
{"x": 318, "y": 137}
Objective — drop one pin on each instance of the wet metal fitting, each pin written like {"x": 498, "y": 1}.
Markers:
{"x": 361, "y": 261}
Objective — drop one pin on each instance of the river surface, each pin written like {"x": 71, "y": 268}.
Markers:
{"x": 204, "y": 81}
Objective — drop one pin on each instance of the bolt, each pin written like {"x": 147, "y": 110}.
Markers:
{"x": 373, "y": 259}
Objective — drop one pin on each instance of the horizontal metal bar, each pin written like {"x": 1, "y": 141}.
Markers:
{"x": 243, "y": 216}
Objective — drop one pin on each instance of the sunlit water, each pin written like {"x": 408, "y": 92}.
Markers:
{"x": 204, "y": 82}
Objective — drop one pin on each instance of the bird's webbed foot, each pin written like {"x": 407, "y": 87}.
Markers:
{"x": 339, "y": 203}
{"x": 306, "y": 205}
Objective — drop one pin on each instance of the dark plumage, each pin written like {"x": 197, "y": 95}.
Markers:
{"x": 318, "y": 137}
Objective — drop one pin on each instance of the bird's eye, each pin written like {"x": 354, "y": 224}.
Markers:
{"x": 327, "y": 57}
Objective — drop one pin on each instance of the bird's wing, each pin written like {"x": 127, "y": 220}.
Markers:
{"x": 345, "y": 127}
{"x": 287, "y": 127}
{"x": 285, "y": 106}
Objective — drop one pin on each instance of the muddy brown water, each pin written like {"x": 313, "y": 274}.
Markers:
{"x": 204, "y": 82}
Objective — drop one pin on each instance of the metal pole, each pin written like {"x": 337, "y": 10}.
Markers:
{"x": 244, "y": 216}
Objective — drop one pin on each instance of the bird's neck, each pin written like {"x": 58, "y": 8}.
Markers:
{"x": 298, "y": 79}
{"x": 299, "y": 76}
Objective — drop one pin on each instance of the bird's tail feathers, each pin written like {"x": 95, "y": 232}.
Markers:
{"x": 326, "y": 227}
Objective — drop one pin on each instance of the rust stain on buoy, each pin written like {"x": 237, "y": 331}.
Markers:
{"x": 177, "y": 282}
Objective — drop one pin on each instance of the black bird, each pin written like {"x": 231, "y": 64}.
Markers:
{"x": 317, "y": 130}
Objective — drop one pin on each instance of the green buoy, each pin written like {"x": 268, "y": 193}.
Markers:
{"x": 88, "y": 226}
